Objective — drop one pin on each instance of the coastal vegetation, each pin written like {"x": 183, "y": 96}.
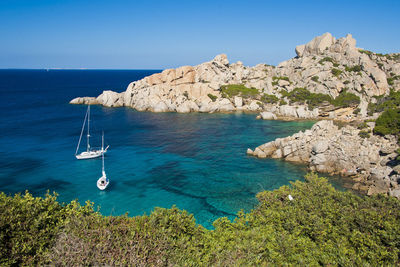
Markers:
{"x": 302, "y": 95}
{"x": 319, "y": 226}
{"x": 346, "y": 99}
{"x": 356, "y": 68}
{"x": 212, "y": 97}
{"x": 232, "y": 90}
{"x": 269, "y": 99}
{"x": 276, "y": 79}
{"x": 388, "y": 122}
{"x": 328, "y": 59}
{"x": 336, "y": 72}
{"x": 315, "y": 78}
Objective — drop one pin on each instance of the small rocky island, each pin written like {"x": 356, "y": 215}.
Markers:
{"x": 354, "y": 92}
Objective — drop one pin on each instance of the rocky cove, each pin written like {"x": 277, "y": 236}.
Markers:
{"x": 329, "y": 80}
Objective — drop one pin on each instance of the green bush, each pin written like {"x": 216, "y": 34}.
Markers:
{"x": 270, "y": 99}
{"x": 238, "y": 90}
{"x": 336, "y": 72}
{"x": 391, "y": 80}
{"x": 388, "y": 122}
{"x": 326, "y": 59}
{"x": 356, "y": 111}
{"x": 320, "y": 226}
{"x": 345, "y": 99}
{"x": 212, "y": 97}
{"x": 362, "y": 125}
{"x": 383, "y": 103}
{"x": 302, "y": 95}
{"x": 356, "y": 68}
{"x": 275, "y": 79}
{"x": 364, "y": 134}
{"x": 365, "y": 52}
{"x": 315, "y": 78}
{"x": 30, "y": 224}
{"x": 282, "y": 102}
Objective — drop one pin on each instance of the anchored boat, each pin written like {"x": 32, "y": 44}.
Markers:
{"x": 90, "y": 153}
{"x": 103, "y": 181}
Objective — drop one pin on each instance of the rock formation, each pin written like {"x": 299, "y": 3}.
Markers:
{"x": 325, "y": 65}
{"x": 328, "y": 148}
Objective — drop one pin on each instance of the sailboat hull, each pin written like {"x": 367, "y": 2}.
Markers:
{"x": 91, "y": 154}
{"x": 103, "y": 182}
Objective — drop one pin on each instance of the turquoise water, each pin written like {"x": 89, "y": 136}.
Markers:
{"x": 197, "y": 162}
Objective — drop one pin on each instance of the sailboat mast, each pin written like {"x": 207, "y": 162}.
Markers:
{"x": 102, "y": 152}
{"x": 83, "y": 128}
{"x": 88, "y": 126}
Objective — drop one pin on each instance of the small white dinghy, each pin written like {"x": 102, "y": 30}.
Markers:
{"x": 90, "y": 153}
{"x": 102, "y": 182}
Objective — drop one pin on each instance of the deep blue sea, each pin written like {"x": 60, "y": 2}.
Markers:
{"x": 197, "y": 162}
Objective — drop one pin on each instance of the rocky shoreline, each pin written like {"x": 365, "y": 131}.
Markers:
{"x": 328, "y": 79}
{"x": 370, "y": 162}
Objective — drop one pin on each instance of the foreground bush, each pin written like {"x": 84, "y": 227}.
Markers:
{"x": 320, "y": 226}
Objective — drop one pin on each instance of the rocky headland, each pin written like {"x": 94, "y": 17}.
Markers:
{"x": 329, "y": 79}
{"x": 370, "y": 162}
{"x": 325, "y": 66}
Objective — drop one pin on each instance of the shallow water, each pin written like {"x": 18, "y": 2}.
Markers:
{"x": 197, "y": 162}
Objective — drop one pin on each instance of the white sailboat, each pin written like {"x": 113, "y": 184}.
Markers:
{"x": 89, "y": 153}
{"x": 102, "y": 182}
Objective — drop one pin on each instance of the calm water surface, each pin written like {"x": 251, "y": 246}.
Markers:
{"x": 197, "y": 162}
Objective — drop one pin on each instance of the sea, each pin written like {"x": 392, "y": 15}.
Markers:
{"x": 195, "y": 161}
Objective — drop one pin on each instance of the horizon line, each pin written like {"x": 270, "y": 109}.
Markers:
{"x": 72, "y": 69}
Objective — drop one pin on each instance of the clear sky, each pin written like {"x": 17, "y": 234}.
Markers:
{"x": 119, "y": 34}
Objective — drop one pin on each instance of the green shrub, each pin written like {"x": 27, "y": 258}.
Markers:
{"x": 392, "y": 56}
{"x": 336, "y": 72}
{"x": 356, "y": 68}
{"x": 391, "y": 80}
{"x": 345, "y": 99}
{"x": 282, "y": 102}
{"x": 320, "y": 226}
{"x": 276, "y": 78}
{"x": 270, "y": 99}
{"x": 238, "y": 90}
{"x": 365, "y": 52}
{"x": 356, "y": 111}
{"x": 302, "y": 95}
{"x": 315, "y": 78}
{"x": 316, "y": 100}
{"x": 29, "y": 226}
{"x": 383, "y": 103}
{"x": 212, "y": 97}
{"x": 388, "y": 122}
{"x": 346, "y": 82}
{"x": 364, "y": 134}
{"x": 298, "y": 95}
{"x": 362, "y": 125}
{"x": 308, "y": 230}
{"x": 326, "y": 59}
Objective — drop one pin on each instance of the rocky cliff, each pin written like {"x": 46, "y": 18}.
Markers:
{"x": 369, "y": 160}
{"x": 324, "y": 66}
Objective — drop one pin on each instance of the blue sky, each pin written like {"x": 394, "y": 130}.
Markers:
{"x": 165, "y": 34}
